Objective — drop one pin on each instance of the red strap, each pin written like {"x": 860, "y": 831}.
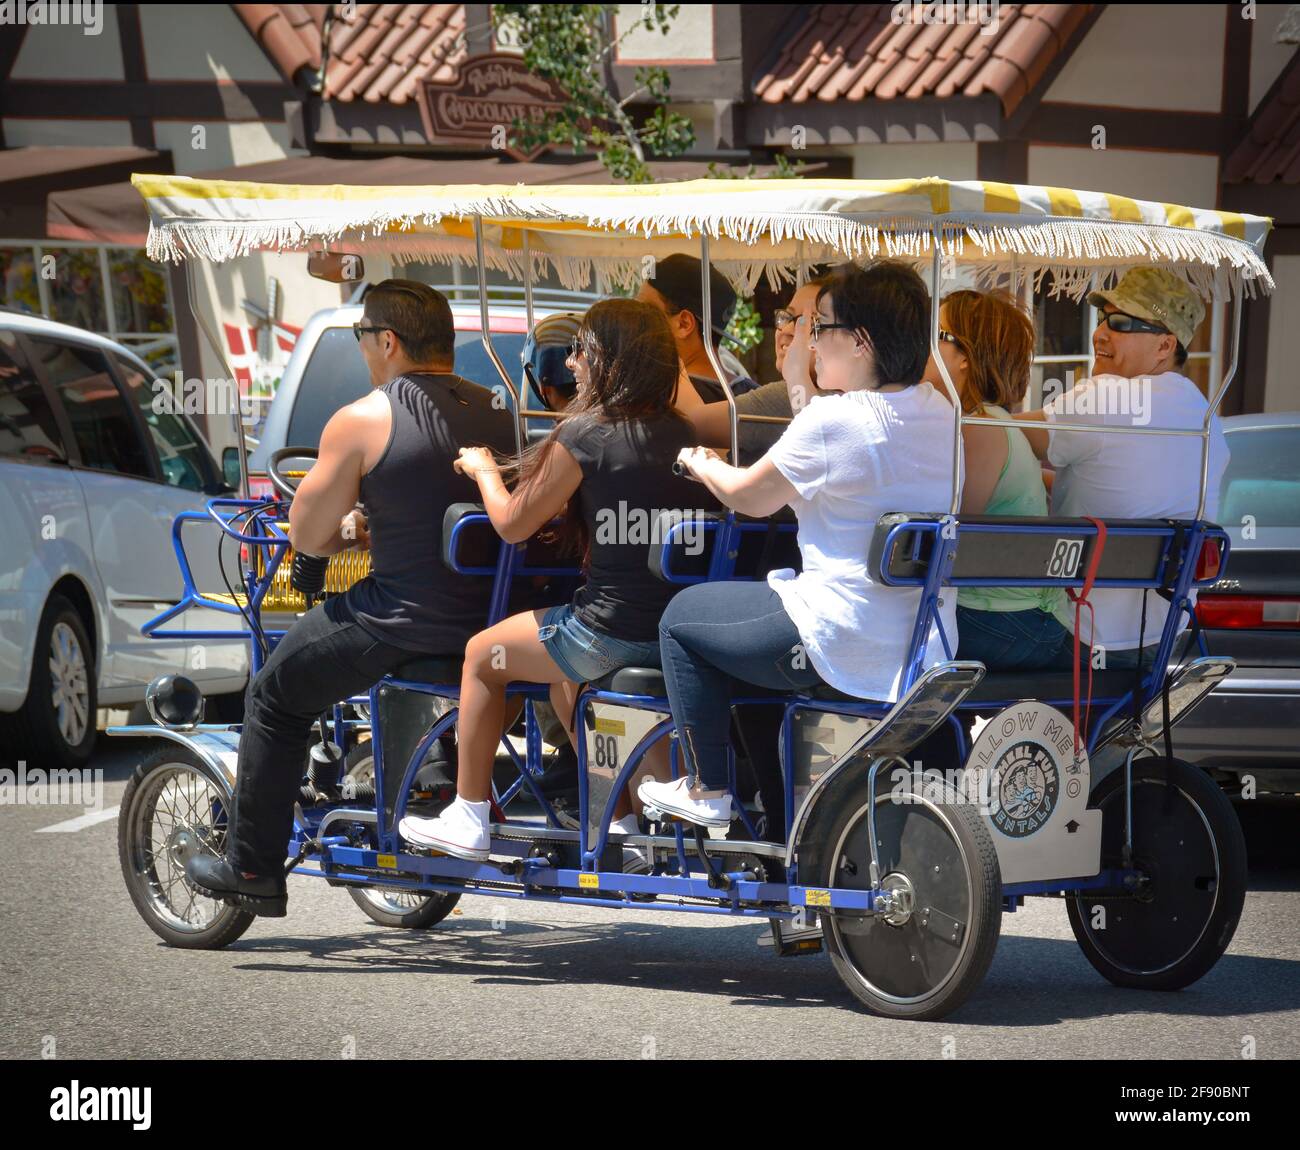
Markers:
{"x": 1080, "y": 600}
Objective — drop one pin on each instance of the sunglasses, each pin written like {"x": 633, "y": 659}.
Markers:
{"x": 575, "y": 348}
{"x": 1122, "y": 322}
{"x": 948, "y": 337}
{"x": 360, "y": 329}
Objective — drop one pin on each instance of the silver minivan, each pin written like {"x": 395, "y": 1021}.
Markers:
{"x": 93, "y": 471}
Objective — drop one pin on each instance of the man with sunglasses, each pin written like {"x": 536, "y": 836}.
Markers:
{"x": 393, "y": 451}
{"x": 1139, "y": 347}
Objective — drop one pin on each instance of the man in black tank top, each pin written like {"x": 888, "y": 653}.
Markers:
{"x": 393, "y": 450}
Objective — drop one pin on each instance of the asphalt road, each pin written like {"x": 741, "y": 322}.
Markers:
{"x": 81, "y": 972}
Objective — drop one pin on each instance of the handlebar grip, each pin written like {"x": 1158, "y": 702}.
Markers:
{"x": 307, "y": 575}
{"x": 679, "y": 468}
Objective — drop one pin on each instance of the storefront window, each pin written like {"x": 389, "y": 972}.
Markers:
{"x": 117, "y": 292}
{"x": 18, "y": 280}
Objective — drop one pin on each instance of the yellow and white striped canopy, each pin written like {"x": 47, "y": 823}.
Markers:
{"x": 764, "y": 226}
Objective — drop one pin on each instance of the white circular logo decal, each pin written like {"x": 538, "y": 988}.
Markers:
{"x": 1021, "y": 754}
{"x": 1024, "y": 789}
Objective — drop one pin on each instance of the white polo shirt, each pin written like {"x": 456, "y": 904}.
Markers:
{"x": 1131, "y": 477}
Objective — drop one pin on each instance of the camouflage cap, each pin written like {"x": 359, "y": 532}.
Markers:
{"x": 1157, "y": 296}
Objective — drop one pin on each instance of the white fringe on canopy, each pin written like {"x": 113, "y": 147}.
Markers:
{"x": 219, "y": 222}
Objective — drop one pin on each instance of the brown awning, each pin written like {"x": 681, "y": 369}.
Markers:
{"x": 116, "y": 214}
{"x": 29, "y": 175}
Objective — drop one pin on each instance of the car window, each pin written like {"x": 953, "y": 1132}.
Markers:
{"x": 1262, "y": 478}
{"x": 180, "y": 452}
{"x": 472, "y": 360}
{"x": 28, "y": 430}
{"x": 336, "y": 375}
{"x": 105, "y": 431}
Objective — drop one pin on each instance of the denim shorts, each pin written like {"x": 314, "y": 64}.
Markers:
{"x": 585, "y": 655}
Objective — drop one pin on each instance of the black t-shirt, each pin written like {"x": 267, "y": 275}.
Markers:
{"x": 627, "y": 481}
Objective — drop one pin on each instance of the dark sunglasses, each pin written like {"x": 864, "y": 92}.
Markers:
{"x": 360, "y": 329}
{"x": 1122, "y": 322}
{"x": 948, "y": 337}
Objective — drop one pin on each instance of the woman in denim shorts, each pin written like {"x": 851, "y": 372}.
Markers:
{"x": 606, "y": 470}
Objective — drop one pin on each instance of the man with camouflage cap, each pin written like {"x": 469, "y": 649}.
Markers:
{"x": 1139, "y": 347}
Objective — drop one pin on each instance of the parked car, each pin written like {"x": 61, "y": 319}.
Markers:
{"x": 1250, "y": 723}
{"x": 91, "y": 478}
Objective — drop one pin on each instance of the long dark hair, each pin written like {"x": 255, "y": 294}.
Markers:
{"x": 633, "y": 371}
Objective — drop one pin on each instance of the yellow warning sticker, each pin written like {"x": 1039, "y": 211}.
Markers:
{"x": 589, "y": 881}
{"x": 813, "y": 897}
{"x": 389, "y": 861}
{"x": 611, "y": 727}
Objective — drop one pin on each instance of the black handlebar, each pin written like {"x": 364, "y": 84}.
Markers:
{"x": 280, "y": 482}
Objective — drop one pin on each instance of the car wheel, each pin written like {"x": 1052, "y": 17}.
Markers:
{"x": 56, "y": 725}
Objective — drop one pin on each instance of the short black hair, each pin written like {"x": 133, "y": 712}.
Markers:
{"x": 418, "y": 315}
{"x": 677, "y": 278}
{"x": 889, "y": 301}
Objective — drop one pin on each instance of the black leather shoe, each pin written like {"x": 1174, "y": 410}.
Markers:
{"x": 258, "y": 894}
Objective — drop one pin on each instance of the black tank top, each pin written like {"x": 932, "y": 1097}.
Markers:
{"x": 412, "y": 599}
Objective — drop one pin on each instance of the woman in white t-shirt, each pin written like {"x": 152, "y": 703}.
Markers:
{"x": 883, "y": 444}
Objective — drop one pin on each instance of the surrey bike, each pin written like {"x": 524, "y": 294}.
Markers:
{"x": 901, "y": 875}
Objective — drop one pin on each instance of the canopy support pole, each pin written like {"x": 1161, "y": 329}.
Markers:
{"x": 528, "y": 281}
{"x": 706, "y": 333}
{"x": 935, "y": 270}
{"x": 1217, "y": 398}
{"x": 486, "y": 335}
{"x": 191, "y": 300}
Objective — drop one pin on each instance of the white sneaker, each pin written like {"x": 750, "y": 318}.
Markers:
{"x": 675, "y": 798}
{"x": 634, "y": 859}
{"x": 461, "y": 831}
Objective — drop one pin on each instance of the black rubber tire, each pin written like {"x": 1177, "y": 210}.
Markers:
{"x": 913, "y": 836}
{"x": 229, "y": 922}
{"x": 427, "y": 910}
{"x": 1185, "y": 839}
{"x": 32, "y": 733}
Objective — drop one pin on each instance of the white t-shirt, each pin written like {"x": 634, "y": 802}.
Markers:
{"x": 1131, "y": 477}
{"x": 852, "y": 458}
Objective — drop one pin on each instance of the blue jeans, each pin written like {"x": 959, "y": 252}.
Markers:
{"x": 710, "y": 635}
{"x": 585, "y": 655}
{"x": 1123, "y": 660}
{"x": 1010, "y": 640}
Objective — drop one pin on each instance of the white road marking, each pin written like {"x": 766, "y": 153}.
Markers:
{"x": 81, "y": 822}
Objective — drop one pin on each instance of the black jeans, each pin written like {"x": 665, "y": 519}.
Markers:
{"x": 325, "y": 656}
{"x": 710, "y": 634}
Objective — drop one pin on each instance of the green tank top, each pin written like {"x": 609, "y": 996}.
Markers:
{"x": 1019, "y": 491}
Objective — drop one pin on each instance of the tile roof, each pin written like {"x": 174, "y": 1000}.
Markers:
{"x": 1270, "y": 150}
{"x": 381, "y": 54}
{"x": 856, "y": 52}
